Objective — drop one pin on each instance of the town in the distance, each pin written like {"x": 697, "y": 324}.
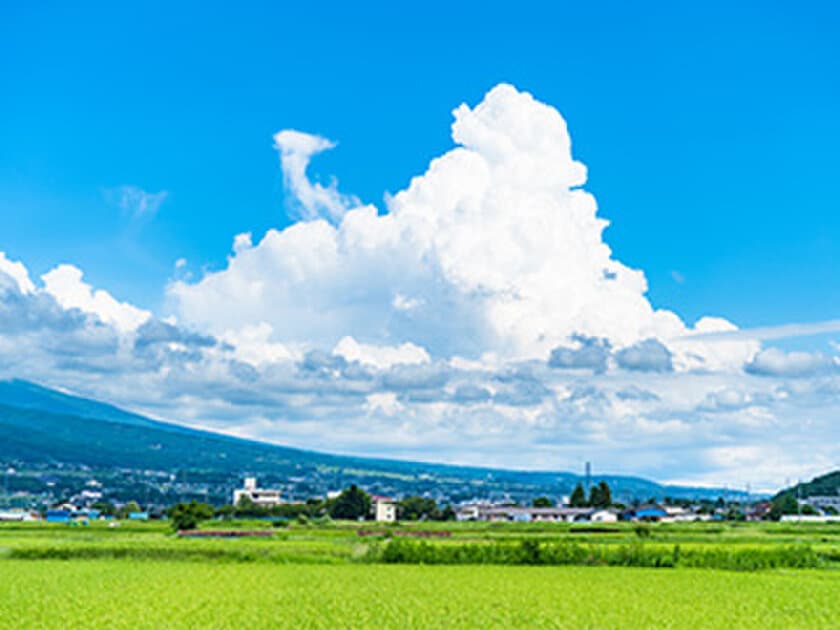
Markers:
{"x": 589, "y": 502}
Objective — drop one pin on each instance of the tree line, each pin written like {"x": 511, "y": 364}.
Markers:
{"x": 600, "y": 496}
{"x": 353, "y": 503}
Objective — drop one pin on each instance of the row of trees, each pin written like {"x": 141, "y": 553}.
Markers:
{"x": 352, "y": 504}
{"x": 600, "y": 496}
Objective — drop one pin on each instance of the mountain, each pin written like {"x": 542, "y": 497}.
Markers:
{"x": 26, "y": 395}
{"x": 47, "y": 431}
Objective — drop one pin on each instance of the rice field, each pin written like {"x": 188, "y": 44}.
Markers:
{"x": 136, "y": 594}
{"x": 327, "y": 576}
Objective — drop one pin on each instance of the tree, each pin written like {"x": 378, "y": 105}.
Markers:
{"x": 542, "y": 502}
{"x": 578, "y": 498}
{"x": 417, "y": 509}
{"x": 735, "y": 514}
{"x": 127, "y": 509}
{"x": 246, "y": 507}
{"x": 352, "y": 504}
{"x": 594, "y": 495}
{"x": 600, "y": 496}
{"x": 448, "y": 513}
{"x": 226, "y": 512}
{"x": 782, "y": 504}
{"x": 105, "y": 508}
{"x": 189, "y": 515}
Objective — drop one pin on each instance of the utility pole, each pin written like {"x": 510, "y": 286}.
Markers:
{"x": 799, "y": 500}
{"x": 9, "y": 471}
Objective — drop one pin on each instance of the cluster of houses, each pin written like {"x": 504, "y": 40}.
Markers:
{"x": 823, "y": 503}
{"x": 482, "y": 511}
{"x": 67, "y": 513}
{"x": 384, "y": 509}
{"x": 827, "y": 508}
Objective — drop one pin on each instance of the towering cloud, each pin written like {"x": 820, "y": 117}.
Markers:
{"x": 496, "y": 248}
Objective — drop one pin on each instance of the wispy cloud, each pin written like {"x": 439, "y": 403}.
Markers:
{"x": 136, "y": 202}
{"x": 767, "y": 333}
{"x": 314, "y": 201}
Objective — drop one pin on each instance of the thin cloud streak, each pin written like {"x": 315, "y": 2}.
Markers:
{"x": 766, "y": 333}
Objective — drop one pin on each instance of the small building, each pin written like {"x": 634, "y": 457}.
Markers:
{"x": 264, "y": 497}
{"x": 809, "y": 518}
{"x": 19, "y": 516}
{"x": 759, "y": 511}
{"x": 138, "y": 516}
{"x": 650, "y": 512}
{"x": 603, "y": 516}
{"x": 59, "y": 516}
{"x": 515, "y": 513}
{"x": 679, "y": 514}
{"x": 384, "y": 508}
{"x": 469, "y": 512}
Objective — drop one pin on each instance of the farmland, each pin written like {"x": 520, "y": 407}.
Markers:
{"x": 325, "y": 575}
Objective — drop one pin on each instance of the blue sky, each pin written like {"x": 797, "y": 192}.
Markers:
{"x": 709, "y": 133}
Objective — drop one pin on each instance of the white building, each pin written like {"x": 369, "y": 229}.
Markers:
{"x": 19, "y": 515}
{"x": 264, "y": 497}
{"x": 603, "y": 516}
{"x": 821, "y": 502}
{"x": 489, "y": 512}
{"x": 678, "y": 514}
{"x": 809, "y": 518}
{"x": 384, "y": 508}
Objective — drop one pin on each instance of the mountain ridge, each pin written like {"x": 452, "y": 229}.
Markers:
{"x": 40, "y": 425}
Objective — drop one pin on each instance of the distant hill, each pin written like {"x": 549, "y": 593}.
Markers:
{"x": 828, "y": 484}
{"x": 44, "y": 427}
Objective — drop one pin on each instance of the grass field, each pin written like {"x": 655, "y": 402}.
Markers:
{"x": 326, "y": 576}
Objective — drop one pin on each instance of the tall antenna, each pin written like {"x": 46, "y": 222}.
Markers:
{"x": 588, "y": 476}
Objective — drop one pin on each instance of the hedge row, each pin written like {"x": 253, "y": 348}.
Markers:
{"x": 535, "y": 552}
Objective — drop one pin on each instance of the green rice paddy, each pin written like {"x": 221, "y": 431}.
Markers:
{"x": 326, "y": 576}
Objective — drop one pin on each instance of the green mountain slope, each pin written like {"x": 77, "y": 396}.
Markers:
{"x": 40, "y": 426}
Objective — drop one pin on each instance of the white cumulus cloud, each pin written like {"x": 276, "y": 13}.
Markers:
{"x": 17, "y": 272}
{"x": 496, "y": 248}
{"x": 65, "y": 284}
{"x": 380, "y": 356}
